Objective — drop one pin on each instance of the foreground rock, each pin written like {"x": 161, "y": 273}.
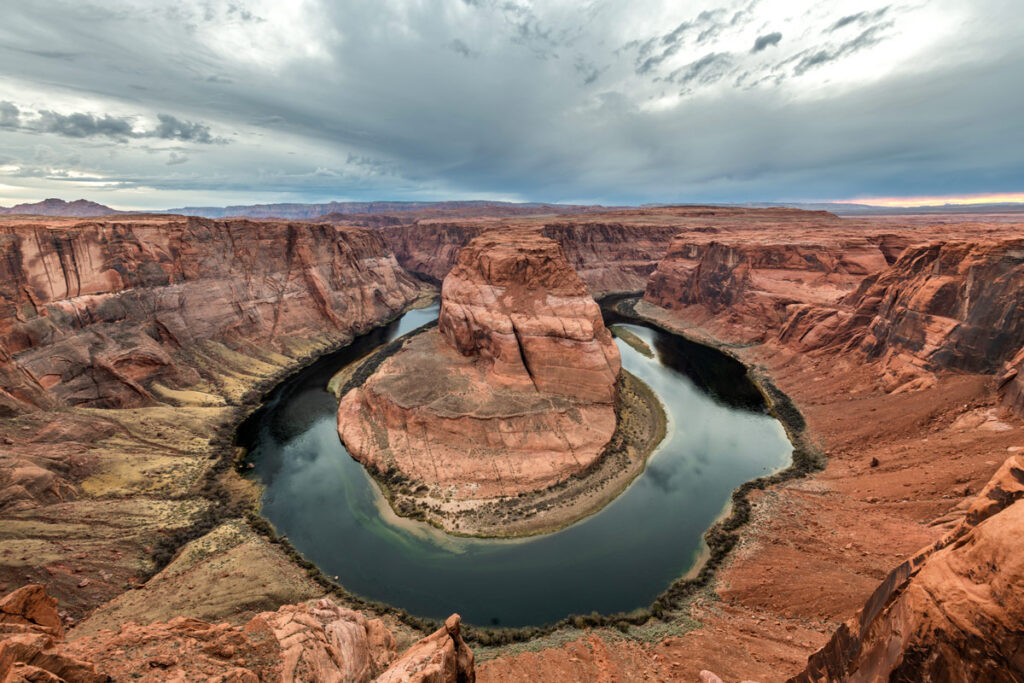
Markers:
{"x": 308, "y": 643}
{"x": 952, "y": 612}
{"x": 514, "y": 392}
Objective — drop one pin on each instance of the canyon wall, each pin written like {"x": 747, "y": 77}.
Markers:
{"x": 97, "y": 314}
{"x": 939, "y": 306}
{"x": 610, "y": 257}
{"x": 129, "y": 349}
{"x": 942, "y": 306}
{"x": 753, "y": 283}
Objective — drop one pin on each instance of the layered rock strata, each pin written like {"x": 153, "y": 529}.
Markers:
{"x": 129, "y": 349}
{"x": 754, "y": 285}
{"x": 514, "y": 392}
{"x": 98, "y": 314}
{"x": 938, "y": 306}
{"x": 314, "y": 641}
{"x": 954, "y": 611}
{"x": 610, "y": 256}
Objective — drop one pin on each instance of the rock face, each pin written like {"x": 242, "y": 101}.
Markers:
{"x": 953, "y": 612}
{"x": 938, "y": 306}
{"x": 430, "y": 249}
{"x": 753, "y": 284}
{"x": 93, "y": 314}
{"x": 514, "y": 392}
{"x": 315, "y": 641}
{"x": 942, "y": 306}
{"x": 611, "y": 257}
{"x": 1011, "y": 383}
{"x": 515, "y": 303}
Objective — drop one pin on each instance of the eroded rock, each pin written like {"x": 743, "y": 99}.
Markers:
{"x": 514, "y": 392}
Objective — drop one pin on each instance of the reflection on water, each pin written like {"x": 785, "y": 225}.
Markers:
{"x": 616, "y": 560}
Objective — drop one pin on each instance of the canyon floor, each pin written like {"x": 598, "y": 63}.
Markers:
{"x": 131, "y": 347}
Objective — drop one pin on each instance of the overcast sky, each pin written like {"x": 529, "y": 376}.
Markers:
{"x": 159, "y": 104}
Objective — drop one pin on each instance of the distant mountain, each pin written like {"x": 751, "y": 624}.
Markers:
{"x": 81, "y": 208}
{"x": 844, "y": 209}
{"x": 307, "y": 211}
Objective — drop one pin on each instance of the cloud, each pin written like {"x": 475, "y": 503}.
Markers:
{"x": 459, "y": 47}
{"x": 651, "y": 100}
{"x": 171, "y": 128}
{"x": 867, "y": 38}
{"x": 10, "y": 115}
{"x": 117, "y": 128}
{"x": 79, "y": 125}
{"x": 708, "y": 69}
{"x": 859, "y": 18}
{"x": 766, "y": 41}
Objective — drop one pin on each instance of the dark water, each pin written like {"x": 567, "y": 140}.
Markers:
{"x": 614, "y": 561}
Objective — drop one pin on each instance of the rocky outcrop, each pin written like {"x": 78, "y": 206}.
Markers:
{"x": 315, "y": 641}
{"x": 514, "y": 302}
{"x": 95, "y": 314}
{"x": 514, "y": 392}
{"x": 953, "y": 612}
{"x": 942, "y": 306}
{"x": 754, "y": 284}
{"x": 1010, "y": 383}
{"x": 441, "y": 656}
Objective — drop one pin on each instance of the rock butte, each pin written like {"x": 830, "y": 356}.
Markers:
{"x": 130, "y": 346}
{"x": 515, "y": 390}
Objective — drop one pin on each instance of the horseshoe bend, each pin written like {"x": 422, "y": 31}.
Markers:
{"x": 140, "y": 353}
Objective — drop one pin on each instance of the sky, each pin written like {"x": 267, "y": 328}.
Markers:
{"x": 145, "y": 104}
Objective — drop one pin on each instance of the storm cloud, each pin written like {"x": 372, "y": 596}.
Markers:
{"x": 766, "y": 41}
{"x": 237, "y": 101}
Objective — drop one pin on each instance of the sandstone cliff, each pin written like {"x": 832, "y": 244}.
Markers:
{"x": 954, "y": 611}
{"x": 753, "y": 284}
{"x": 611, "y": 257}
{"x": 1011, "y": 383}
{"x": 938, "y": 306}
{"x": 514, "y": 392}
{"x": 941, "y": 306}
{"x": 147, "y": 337}
{"x": 314, "y": 641}
{"x": 95, "y": 314}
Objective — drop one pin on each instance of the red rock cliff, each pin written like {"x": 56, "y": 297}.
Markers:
{"x": 942, "y": 306}
{"x": 609, "y": 256}
{"x": 513, "y": 393}
{"x": 515, "y": 303}
{"x": 314, "y": 641}
{"x": 954, "y": 611}
{"x": 752, "y": 284}
{"x": 92, "y": 314}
